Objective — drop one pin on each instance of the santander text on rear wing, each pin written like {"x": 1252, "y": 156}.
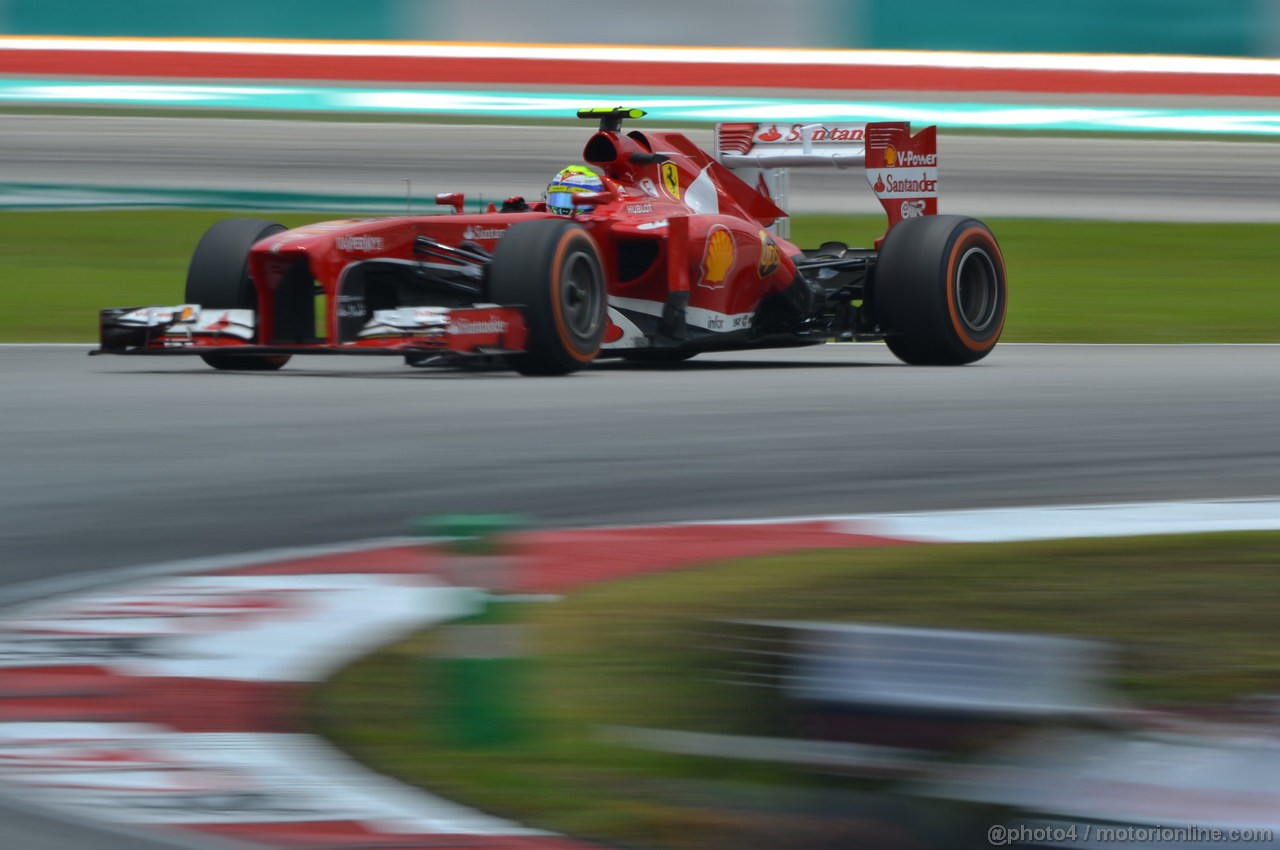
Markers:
{"x": 901, "y": 169}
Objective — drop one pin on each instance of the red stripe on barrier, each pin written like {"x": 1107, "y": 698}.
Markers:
{"x": 181, "y": 703}
{"x": 555, "y": 561}
{"x": 566, "y": 560}
{"x": 636, "y": 74}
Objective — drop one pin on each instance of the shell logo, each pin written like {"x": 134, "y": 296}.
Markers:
{"x": 718, "y": 258}
{"x": 770, "y": 257}
{"x": 890, "y": 156}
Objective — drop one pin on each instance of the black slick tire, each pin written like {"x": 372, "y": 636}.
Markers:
{"x": 940, "y": 290}
{"x": 552, "y": 268}
{"x": 218, "y": 278}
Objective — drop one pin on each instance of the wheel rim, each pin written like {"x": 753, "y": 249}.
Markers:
{"x": 977, "y": 287}
{"x": 581, "y": 297}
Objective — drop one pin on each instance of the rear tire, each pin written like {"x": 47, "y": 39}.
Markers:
{"x": 552, "y": 268}
{"x": 940, "y": 290}
{"x": 218, "y": 278}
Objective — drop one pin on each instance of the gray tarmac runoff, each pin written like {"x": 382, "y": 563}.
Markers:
{"x": 116, "y": 461}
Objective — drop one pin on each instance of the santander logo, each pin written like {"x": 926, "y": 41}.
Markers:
{"x": 829, "y": 133}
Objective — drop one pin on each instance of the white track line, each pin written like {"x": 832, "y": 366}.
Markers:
{"x": 46, "y": 587}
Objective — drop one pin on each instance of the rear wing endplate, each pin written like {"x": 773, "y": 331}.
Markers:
{"x": 901, "y": 169}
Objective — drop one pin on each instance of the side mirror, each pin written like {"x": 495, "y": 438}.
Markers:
{"x": 593, "y": 199}
{"x": 451, "y": 199}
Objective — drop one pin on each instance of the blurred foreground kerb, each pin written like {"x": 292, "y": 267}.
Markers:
{"x": 480, "y": 659}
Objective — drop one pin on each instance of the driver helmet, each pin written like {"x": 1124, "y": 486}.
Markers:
{"x": 570, "y": 181}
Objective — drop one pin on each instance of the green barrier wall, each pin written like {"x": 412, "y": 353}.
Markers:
{"x": 326, "y": 19}
{"x": 1218, "y": 27}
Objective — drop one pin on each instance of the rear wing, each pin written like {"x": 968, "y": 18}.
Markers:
{"x": 901, "y": 169}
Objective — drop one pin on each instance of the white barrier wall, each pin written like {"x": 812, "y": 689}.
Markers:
{"x": 748, "y": 23}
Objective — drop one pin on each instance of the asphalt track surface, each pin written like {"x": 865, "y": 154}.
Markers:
{"x": 1092, "y": 177}
{"x": 115, "y": 461}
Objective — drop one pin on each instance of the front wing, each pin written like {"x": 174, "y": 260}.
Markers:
{"x": 192, "y": 329}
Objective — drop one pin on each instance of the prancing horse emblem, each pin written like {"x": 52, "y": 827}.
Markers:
{"x": 671, "y": 179}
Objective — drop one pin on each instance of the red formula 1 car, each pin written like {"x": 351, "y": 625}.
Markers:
{"x": 679, "y": 253}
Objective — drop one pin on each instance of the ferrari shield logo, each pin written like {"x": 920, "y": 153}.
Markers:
{"x": 671, "y": 179}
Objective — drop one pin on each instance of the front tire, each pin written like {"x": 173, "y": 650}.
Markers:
{"x": 552, "y": 268}
{"x": 218, "y": 278}
{"x": 940, "y": 290}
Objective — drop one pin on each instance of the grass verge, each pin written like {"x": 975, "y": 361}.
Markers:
{"x": 1192, "y": 618}
{"x": 1070, "y": 281}
{"x": 61, "y": 268}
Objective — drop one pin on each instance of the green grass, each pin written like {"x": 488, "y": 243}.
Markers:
{"x": 61, "y": 268}
{"x": 1095, "y": 281}
{"x": 1192, "y": 619}
{"x": 1070, "y": 281}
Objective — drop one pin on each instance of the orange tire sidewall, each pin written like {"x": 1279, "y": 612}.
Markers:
{"x": 557, "y": 268}
{"x": 961, "y": 244}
